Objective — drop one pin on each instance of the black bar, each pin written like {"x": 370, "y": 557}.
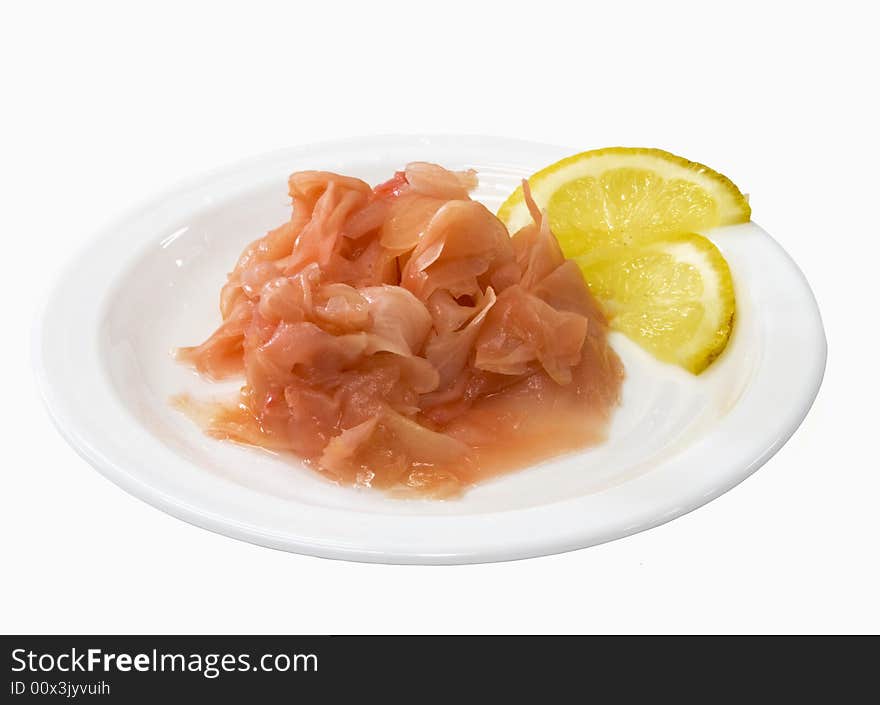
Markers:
{"x": 135, "y": 669}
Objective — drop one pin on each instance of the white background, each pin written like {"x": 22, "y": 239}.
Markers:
{"x": 106, "y": 103}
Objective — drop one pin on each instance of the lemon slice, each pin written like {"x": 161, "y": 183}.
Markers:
{"x": 623, "y": 194}
{"x": 672, "y": 295}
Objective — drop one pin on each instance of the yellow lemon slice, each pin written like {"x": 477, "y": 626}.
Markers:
{"x": 623, "y": 194}
{"x": 673, "y": 295}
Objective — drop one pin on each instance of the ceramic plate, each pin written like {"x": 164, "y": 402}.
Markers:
{"x": 150, "y": 283}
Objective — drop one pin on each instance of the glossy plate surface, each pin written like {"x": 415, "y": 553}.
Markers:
{"x": 150, "y": 283}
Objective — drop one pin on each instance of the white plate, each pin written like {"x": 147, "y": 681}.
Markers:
{"x": 150, "y": 283}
